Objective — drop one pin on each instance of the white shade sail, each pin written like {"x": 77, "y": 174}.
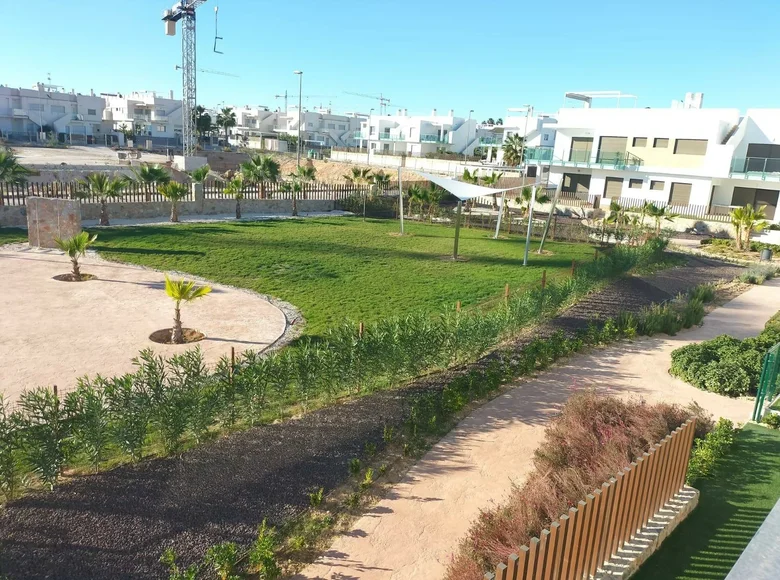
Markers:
{"x": 463, "y": 190}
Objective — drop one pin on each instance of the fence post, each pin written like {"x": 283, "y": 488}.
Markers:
{"x": 544, "y": 279}
{"x": 573, "y": 266}
{"x": 506, "y": 292}
{"x": 457, "y": 306}
{"x": 361, "y": 328}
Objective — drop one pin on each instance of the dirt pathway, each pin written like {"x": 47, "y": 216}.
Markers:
{"x": 415, "y": 530}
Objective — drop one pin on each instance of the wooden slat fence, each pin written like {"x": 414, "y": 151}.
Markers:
{"x": 15, "y": 195}
{"x": 582, "y": 540}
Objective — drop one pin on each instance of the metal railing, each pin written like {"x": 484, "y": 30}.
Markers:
{"x": 756, "y": 166}
{"x": 691, "y": 211}
{"x": 767, "y": 386}
{"x": 392, "y": 137}
{"x": 491, "y": 140}
{"x": 431, "y": 139}
{"x": 600, "y": 159}
{"x": 539, "y": 154}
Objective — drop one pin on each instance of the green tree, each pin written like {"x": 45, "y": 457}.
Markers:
{"x": 235, "y": 188}
{"x": 75, "y": 247}
{"x": 305, "y": 174}
{"x": 617, "y": 216}
{"x": 416, "y": 195}
{"x": 524, "y": 199}
{"x": 746, "y": 220}
{"x": 491, "y": 181}
{"x": 226, "y": 119}
{"x": 380, "y": 181}
{"x": 260, "y": 169}
{"x": 358, "y": 175}
{"x": 150, "y": 176}
{"x": 182, "y": 291}
{"x": 103, "y": 187}
{"x": 11, "y": 171}
{"x": 175, "y": 193}
{"x": 203, "y": 121}
{"x": 514, "y": 150}
{"x": 660, "y": 214}
{"x": 294, "y": 187}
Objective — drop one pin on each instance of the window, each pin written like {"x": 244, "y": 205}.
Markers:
{"x": 680, "y": 194}
{"x": 161, "y": 128}
{"x": 660, "y": 143}
{"x": 372, "y": 130}
{"x": 640, "y": 141}
{"x": 160, "y": 112}
{"x": 530, "y": 171}
{"x": 635, "y": 184}
{"x": 37, "y": 107}
{"x": 613, "y": 186}
{"x": 92, "y": 112}
{"x": 59, "y": 109}
{"x": 331, "y": 125}
{"x": 139, "y": 112}
{"x": 657, "y": 185}
{"x": 690, "y": 147}
{"x": 342, "y": 127}
{"x": 546, "y": 137}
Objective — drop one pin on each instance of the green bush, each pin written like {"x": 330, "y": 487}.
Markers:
{"x": 707, "y": 452}
{"x": 758, "y": 274}
{"x": 772, "y": 420}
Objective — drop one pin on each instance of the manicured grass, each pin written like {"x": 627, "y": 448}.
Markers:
{"x": 732, "y": 506}
{"x": 343, "y": 268}
{"x": 12, "y": 235}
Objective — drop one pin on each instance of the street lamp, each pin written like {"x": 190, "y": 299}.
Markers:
{"x": 368, "y": 136}
{"x": 529, "y": 109}
{"x": 468, "y": 135}
{"x": 300, "y": 92}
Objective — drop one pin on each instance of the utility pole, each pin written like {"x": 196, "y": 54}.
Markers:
{"x": 468, "y": 135}
{"x": 300, "y": 92}
{"x": 528, "y": 110}
{"x": 368, "y": 137}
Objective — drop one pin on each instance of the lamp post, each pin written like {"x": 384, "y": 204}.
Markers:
{"x": 468, "y": 136}
{"x": 528, "y": 110}
{"x": 300, "y": 92}
{"x": 368, "y": 137}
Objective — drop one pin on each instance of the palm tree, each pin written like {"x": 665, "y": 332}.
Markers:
{"x": 101, "y": 186}
{"x": 294, "y": 187}
{"x": 746, "y": 220}
{"x": 200, "y": 174}
{"x": 151, "y": 176}
{"x": 380, "y": 181}
{"x": 358, "y": 175}
{"x": 174, "y": 192}
{"x": 433, "y": 196}
{"x": 472, "y": 178}
{"x": 76, "y": 247}
{"x": 227, "y": 120}
{"x": 11, "y": 171}
{"x": 182, "y": 291}
{"x": 490, "y": 181}
{"x": 235, "y": 187}
{"x": 416, "y": 194}
{"x": 202, "y": 121}
{"x": 514, "y": 149}
{"x": 259, "y": 169}
{"x": 617, "y": 215}
{"x": 304, "y": 173}
{"x": 524, "y": 200}
{"x": 658, "y": 214}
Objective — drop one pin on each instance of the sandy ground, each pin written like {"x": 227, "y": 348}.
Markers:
{"x": 40, "y": 157}
{"x": 216, "y": 218}
{"x": 415, "y": 530}
{"x": 54, "y": 332}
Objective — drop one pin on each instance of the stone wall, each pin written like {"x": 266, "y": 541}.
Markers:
{"x": 16, "y": 216}
{"x": 48, "y": 219}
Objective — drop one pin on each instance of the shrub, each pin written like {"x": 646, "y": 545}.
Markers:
{"x": 223, "y": 559}
{"x": 708, "y": 451}
{"x": 90, "y": 418}
{"x": 262, "y": 560}
{"x": 315, "y": 497}
{"x": 772, "y": 420}
{"x": 12, "y": 468}
{"x": 703, "y": 292}
{"x": 758, "y": 274}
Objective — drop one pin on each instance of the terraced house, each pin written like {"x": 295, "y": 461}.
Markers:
{"x": 701, "y": 162}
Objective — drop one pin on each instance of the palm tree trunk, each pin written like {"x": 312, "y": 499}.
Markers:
{"x": 103, "y": 212}
{"x": 294, "y": 205}
{"x": 174, "y": 211}
{"x": 238, "y": 209}
{"x": 76, "y": 269}
{"x": 176, "y": 334}
{"x": 148, "y": 192}
{"x": 262, "y": 190}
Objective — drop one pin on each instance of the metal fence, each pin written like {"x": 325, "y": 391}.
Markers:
{"x": 767, "y": 386}
{"x": 702, "y": 212}
{"x": 578, "y": 544}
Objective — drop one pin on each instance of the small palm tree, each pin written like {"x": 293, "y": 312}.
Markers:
{"x": 235, "y": 188}
{"x": 200, "y": 174}
{"x": 304, "y": 174}
{"x": 358, "y": 175}
{"x": 226, "y": 119}
{"x": 659, "y": 214}
{"x": 182, "y": 291}
{"x": 433, "y": 196}
{"x": 514, "y": 150}
{"x": 175, "y": 193}
{"x": 746, "y": 220}
{"x": 75, "y": 248}
{"x": 259, "y": 169}
{"x": 11, "y": 171}
{"x": 294, "y": 187}
{"x": 524, "y": 200}
{"x": 492, "y": 180}
{"x": 151, "y": 176}
{"x": 415, "y": 193}
{"x": 617, "y": 216}
{"x": 380, "y": 181}
{"x": 103, "y": 187}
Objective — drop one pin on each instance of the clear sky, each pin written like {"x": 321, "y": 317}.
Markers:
{"x": 484, "y": 55}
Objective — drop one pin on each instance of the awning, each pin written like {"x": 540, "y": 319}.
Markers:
{"x": 463, "y": 190}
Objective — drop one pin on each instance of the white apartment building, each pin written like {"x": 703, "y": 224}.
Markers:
{"x": 416, "y": 135}
{"x": 75, "y": 118}
{"x": 321, "y": 127}
{"x": 253, "y": 125}
{"x": 149, "y": 116}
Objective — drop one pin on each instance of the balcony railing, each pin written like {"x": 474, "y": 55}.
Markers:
{"x": 602, "y": 160}
{"x": 359, "y": 135}
{"x": 491, "y": 140}
{"x": 392, "y": 137}
{"x": 432, "y": 139}
{"x": 757, "y": 167}
{"x": 539, "y": 154}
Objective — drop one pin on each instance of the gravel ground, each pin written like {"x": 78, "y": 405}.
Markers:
{"x": 115, "y": 525}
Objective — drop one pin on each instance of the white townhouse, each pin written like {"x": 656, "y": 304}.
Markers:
{"x": 148, "y": 115}
{"x": 321, "y": 127}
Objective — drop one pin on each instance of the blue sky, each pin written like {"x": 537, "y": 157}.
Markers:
{"x": 423, "y": 54}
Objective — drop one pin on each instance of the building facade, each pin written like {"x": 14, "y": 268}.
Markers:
{"x": 147, "y": 115}
{"x": 321, "y": 127}
{"x": 74, "y": 118}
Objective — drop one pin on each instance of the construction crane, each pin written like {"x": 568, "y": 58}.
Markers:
{"x": 184, "y": 11}
{"x": 285, "y": 96}
{"x": 383, "y": 101}
{"x": 212, "y": 72}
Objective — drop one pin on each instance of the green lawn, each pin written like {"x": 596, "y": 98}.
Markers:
{"x": 339, "y": 268}
{"x": 731, "y": 508}
{"x": 11, "y": 235}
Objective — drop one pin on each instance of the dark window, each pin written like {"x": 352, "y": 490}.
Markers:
{"x": 690, "y": 146}
{"x": 660, "y": 143}
{"x": 657, "y": 185}
{"x": 640, "y": 141}
{"x": 635, "y": 184}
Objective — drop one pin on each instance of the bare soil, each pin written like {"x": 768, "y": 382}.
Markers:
{"x": 189, "y": 335}
{"x": 71, "y": 278}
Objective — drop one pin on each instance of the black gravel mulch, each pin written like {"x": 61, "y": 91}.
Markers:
{"x": 116, "y": 524}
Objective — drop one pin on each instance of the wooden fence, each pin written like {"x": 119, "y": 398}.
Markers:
{"x": 582, "y": 540}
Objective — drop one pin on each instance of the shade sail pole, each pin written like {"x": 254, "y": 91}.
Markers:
{"x": 500, "y": 214}
{"x": 457, "y": 230}
{"x": 530, "y": 222}
{"x": 401, "y": 200}
{"x": 549, "y": 219}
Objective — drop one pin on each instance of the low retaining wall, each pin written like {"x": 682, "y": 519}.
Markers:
{"x": 16, "y": 216}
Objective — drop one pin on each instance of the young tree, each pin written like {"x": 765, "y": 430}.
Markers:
{"x": 235, "y": 188}
{"x": 103, "y": 187}
{"x": 490, "y": 181}
{"x": 746, "y": 220}
{"x": 380, "y": 181}
{"x": 659, "y": 214}
{"x": 182, "y": 291}
{"x": 294, "y": 187}
{"x": 75, "y": 248}
{"x": 358, "y": 175}
{"x": 175, "y": 193}
{"x": 203, "y": 121}
{"x": 524, "y": 199}
{"x": 304, "y": 174}
{"x": 151, "y": 176}
{"x": 416, "y": 195}
{"x": 260, "y": 169}
{"x": 514, "y": 150}
{"x": 227, "y": 120}
{"x": 11, "y": 171}
{"x": 200, "y": 174}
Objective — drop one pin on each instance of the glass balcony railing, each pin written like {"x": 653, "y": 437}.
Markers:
{"x": 392, "y": 137}
{"x": 358, "y": 135}
{"x": 490, "y": 140}
{"x": 602, "y": 159}
{"x": 539, "y": 154}
{"x": 431, "y": 139}
{"x": 756, "y": 166}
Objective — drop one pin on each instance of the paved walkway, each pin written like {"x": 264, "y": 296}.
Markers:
{"x": 54, "y": 332}
{"x": 414, "y": 532}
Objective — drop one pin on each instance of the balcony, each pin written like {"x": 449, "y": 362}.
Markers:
{"x": 431, "y": 139}
{"x": 539, "y": 154}
{"x": 392, "y": 137}
{"x": 760, "y": 168}
{"x": 491, "y": 140}
{"x": 599, "y": 160}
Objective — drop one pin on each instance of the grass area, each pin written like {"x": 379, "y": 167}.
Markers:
{"x": 732, "y": 506}
{"x": 12, "y": 235}
{"x": 343, "y": 268}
